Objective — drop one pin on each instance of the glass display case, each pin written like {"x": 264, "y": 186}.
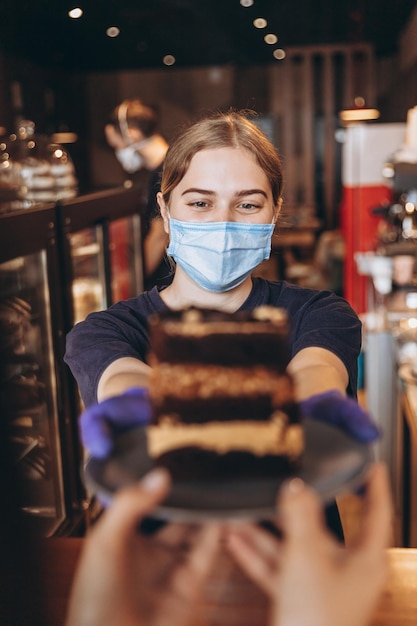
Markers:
{"x": 29, "y": 387}
{"x": 103, "y": 249}
{"x": 58, "y": 263}
{"x": 32, "y": 387}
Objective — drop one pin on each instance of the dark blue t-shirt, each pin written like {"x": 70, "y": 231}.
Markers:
{"x": 318, "y": 318}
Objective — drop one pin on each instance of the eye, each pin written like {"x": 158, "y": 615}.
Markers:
{"x": 248, "y": 205}
{"x": 199, "y": 204}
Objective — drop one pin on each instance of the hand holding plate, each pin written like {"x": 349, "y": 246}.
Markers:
{"x": 335, "y": 409}
{"x": 101, "y": 422}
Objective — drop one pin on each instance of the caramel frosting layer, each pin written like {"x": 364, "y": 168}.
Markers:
{"x": 259, "y": 438}
{"x": 206, "y": 381}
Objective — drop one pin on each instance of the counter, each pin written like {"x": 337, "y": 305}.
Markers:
{"x": 409, "y": 406}
{"x": 230, "y": 599}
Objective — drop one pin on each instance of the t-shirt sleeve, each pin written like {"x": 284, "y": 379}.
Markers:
{"x": 103, "y": 337}
{"x": 324, "y": 320}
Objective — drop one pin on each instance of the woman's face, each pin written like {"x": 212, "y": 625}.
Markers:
{"x": 222, "y": 185}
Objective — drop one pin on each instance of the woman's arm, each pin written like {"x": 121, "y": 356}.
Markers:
{"x": 121, "y": 375}
{"x": 316, "y": 370}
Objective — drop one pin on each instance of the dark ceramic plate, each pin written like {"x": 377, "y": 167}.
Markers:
{"x": 333, "y": 463}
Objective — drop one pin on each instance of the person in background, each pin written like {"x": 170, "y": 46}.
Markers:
{"x": 132, "y": 132}
{"x": 309, "y": 578}
{"x": 220, "y": 198}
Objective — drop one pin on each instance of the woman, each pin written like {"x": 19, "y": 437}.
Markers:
{"x": 220, "y": 198}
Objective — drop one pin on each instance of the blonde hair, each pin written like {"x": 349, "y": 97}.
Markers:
{"x": 221, "y": 130}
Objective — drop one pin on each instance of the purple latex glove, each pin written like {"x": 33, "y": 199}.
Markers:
{"x": 333, "y": 408}
{"x": 100, "y": 421}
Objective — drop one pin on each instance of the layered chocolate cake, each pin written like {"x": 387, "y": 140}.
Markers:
{"x": 223, "y": 403}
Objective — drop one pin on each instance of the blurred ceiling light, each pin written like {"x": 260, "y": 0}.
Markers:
{"x": 388, "y": 171}
{"x": 169, "y": 59}
{"x": 360, "y": 114}
{"x": 64, "y": 137}
{"x": 75, "y": 13}
{"x": 260, "y": 22}
{"x": 113, "y": 31}
{"x": 279, "y": 54}
{"x": 270, "y": 38}
{"x": 246, "y": 3}
{"x": 412, "y": 322}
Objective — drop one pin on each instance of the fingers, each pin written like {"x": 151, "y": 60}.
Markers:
{"x": 95, "y": 432}
{"x": 376, "y": 527}
{"x": 256, "y": 552}
{"x": 301, "y": 520}
{"x": 301, "y": 514}
{"x": 131, "y": 408}
{"x": 188, "y": 577}
{"x": 356, "y": 421}
{"x": 343, "y": 412}
{"x": 132, "y": 503}
{"x": 199, "y": 560}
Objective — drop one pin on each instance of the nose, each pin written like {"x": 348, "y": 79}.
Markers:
{"x": 223, "y": 213}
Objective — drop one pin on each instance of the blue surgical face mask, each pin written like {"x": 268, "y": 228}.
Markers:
{"x": 219, "y": 255}
{"x": 130, "y": 158}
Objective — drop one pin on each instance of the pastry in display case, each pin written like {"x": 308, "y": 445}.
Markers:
{"x": 28, "y": 390}
{"x": 12, "y": 188}
{"x": 125, "y": 258}
{"x": 33, "y": 170}
{"x": 88, "y": 273}
{"x": 88, "y": 266}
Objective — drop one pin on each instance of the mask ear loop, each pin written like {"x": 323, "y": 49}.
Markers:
{"x": 122, "y": 120}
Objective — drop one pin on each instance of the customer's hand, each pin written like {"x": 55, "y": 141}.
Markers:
{"x": 309, "y": 577}
{"x": 128, "y": 579}
{"x": 101, "y": 421}
{"x": 333, "y": 408}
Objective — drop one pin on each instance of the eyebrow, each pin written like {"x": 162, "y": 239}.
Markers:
{"x": 205, "y": 192}
{"x": 240, "y": 194}
{"x": 251, "y": 192}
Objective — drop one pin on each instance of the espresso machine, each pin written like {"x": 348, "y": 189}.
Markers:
{"x": 390, "y": 322}
{"x": 399, "y": 233}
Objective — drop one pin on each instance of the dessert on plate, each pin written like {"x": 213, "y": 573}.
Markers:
{"x": 223, "y": 403}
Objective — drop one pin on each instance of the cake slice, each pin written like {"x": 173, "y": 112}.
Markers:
{"x": 223, "y": 403}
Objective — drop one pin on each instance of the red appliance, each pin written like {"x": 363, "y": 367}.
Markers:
{"x": 367, "y": 148}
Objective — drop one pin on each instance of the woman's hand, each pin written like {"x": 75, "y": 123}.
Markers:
{"x": 309, "y": 577}
{"x": 101, "y": 421}
{"x": 128, "y": 579}
{"x": 336, "y": 409}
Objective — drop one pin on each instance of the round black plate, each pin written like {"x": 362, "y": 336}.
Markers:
{"x": 333, "y": 463}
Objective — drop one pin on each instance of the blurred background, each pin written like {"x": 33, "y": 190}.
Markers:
{"x": 334, "y": 86}
{"x": 297, "y": 63}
